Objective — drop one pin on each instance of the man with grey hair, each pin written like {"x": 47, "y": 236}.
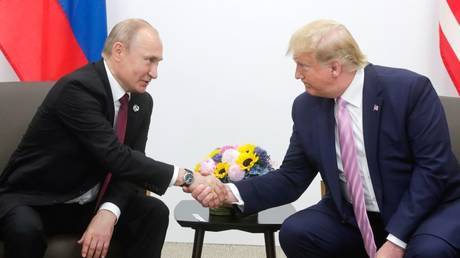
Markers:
{"x": 379, "y": 138}
{"x": 85, "y": 147}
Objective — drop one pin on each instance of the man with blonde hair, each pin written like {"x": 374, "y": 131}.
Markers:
{"x": 379, "y": 138}
{"x": 85, "y": 147}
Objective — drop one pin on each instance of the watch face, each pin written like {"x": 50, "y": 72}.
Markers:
{"x": 188, "y": 178}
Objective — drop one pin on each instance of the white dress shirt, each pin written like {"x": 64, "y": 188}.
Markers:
{"x": 117, "y": 93}
{"x": 353, "y": 95}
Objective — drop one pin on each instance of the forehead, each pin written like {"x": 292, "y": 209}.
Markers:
{"x": 304, "y": 57}
{"x": 147, "y": 42}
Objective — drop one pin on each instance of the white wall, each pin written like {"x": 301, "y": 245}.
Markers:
{"x": 225, "y": 78}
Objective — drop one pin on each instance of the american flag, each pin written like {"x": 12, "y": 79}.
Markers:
{"x": 449, "y": 38}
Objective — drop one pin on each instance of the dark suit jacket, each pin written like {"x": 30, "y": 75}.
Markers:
{"x": 412, "y": 167}
{"x": 70, "y": 145}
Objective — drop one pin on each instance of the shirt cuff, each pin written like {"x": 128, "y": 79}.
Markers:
{"x": 112, "y": 208}
{"x": 236, "y": 193}
{"x": 396, "y": 241}
{"x": 174, "y": 177}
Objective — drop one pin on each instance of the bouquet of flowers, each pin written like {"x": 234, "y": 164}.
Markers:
{"x": 235, "y": 163}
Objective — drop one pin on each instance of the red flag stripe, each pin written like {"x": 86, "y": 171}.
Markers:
{"x": 450, "y": 60}
{"x": 454, "y": 5}
{"x": 37, "y": 40}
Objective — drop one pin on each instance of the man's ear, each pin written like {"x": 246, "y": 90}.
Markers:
{"x": 336, "y": 68}
{"x": 117, "y": 51}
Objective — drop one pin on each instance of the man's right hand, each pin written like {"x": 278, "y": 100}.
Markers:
{"x": 209, "y": 195}
{"x": 202, "y": 194}
{"x": 208, "y": 190}
{"x": 96, "y": 239}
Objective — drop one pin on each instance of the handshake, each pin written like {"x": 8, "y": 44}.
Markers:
{"x": 207, "y": 190}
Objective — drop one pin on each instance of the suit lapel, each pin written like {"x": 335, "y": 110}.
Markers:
{"x": 372, "y": 109}
{"x": 326, "y": 130}
{"x": 100, "y": 68}
{"x": 136, "y": 108}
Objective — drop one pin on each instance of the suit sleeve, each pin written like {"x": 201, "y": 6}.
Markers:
{"x": 281, "y": 186}
{"x": 82, "y": 113}
{"x": 428, "y": 138}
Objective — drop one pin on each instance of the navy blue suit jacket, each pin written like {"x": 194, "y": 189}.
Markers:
{"x": 413, "y": 170}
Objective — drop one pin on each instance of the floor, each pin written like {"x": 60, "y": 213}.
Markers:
{"x": 184, "y": 250}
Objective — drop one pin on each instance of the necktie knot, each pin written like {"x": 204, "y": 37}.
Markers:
{"x": 122, "y": 117}
{"x": 342, "y": 103}
{"x": 124, "y": 100}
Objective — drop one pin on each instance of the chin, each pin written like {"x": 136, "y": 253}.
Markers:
{"x": 141, "y": 90}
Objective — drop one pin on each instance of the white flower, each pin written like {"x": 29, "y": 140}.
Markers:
{"x": 230, "y": 156}
{"x": 235, "y": 173}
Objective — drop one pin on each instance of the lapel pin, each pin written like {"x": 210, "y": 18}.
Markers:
{"x": 136, "y": 107}
{"x": 376, "y": 108}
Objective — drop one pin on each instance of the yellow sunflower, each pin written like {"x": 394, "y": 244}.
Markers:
{"x": 247, "y": 160}
{"x": 221, "y": 170}
{"x": 247, "y": 148}
{"x": 197, "y": 167}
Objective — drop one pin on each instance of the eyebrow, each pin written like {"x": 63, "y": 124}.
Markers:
{"x": 154, "y": 58}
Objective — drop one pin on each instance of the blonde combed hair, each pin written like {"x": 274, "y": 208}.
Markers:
{"x": 327, "y": 40}
{"x": 124, "y": 32}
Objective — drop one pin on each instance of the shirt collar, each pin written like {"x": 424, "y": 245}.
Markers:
{"x": 115, "y": 87}
{"x": 354, "y": 93}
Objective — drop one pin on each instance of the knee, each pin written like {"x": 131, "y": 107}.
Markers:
{"x": 162, "y": 211}
{"x": 23, "y": 225}
{"x": 289, "y": 233}
{"x": 159, "y": 210}
{"x": 429, "y": 246}
{"x": 292, "y": 238}
{"x": 23, "y": 229}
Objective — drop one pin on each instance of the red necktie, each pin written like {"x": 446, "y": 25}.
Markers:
{"x": 122, "y": 119}
{"x": 353, "y": 176}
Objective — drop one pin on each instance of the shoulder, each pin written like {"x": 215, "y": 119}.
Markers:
{"x": 306, "y": 105}
{"x": 400, "y": 88}
{"x": 399, "y": 79}
{"x": 88, "y": 83}
{"x": 90, "y": 78}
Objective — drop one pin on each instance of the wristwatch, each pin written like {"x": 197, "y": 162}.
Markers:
{"x": 188, "y": 177}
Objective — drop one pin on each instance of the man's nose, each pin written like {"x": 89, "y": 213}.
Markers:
{"x": 153, "y": 72}
{"x": 298, "y": 74}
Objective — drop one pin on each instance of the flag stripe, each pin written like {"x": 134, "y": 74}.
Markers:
{"x": 37, "y": 40}
{"x": 454, "y": 5}
{"x": 450, "y": 60}
{"x": 450, "y": 26}
{"x": 88, "y": 22}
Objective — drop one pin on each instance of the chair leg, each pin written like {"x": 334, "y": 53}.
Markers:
{"x": 270, "y": 244}
{"x": 198, "y": 243}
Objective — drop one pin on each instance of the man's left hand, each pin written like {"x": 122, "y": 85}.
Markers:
{"x": 390, "y": 250}
{"x": 96, "y": 239}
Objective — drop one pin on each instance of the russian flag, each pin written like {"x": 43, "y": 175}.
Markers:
{"x": 45, "y": 39}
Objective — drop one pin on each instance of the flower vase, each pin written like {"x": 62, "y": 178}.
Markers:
{"x": 221, "y": 211}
